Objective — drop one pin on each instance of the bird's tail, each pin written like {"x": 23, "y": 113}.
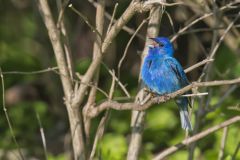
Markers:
{"x": 183, "y": 109}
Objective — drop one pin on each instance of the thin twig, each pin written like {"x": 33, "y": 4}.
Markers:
{"x": 226, "y": 94}
{"x": 163, "y": 3}
{"x": 50, "y": 69}
{"x": 223, "y": 35}
{"x": 115, "y": 29}
{"x": 223, "y": 142}
{"x": 112, "y": 17}
{"x": 128, "y": 44}
{"x": 121, "y": 85}
{"x": 199, "y": 19}
{"x": 61, "y": 27}
{"x": 8, "y": 118}
{"x": 60, "y": 16}
{"x": 195, "y": 94}
{"x": 42, "y": 135}
{"x": 54, "y": 70}
{"x": 102, "y": 124}
{"x": 97, "y": 50}
{"x": 207, "y": 60}
{"x": 206, "y": 29}
{"x": 215, "y": 47}
{"x": 194, "y": 138}
{"x": 171, "y": 21}
{"x": 85, "y": 19}
{"x": 236, "y": 152}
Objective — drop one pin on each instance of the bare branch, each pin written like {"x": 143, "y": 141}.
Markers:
{"x": 159, "y": 99}
{"x": 162, "y": 2}
{"x": 44, "y": 143}
{"x": 195, "y": 94}
{"x": 128, "y": 44}
{"x": 221, "y": 100}
{"x": 199, "y": 19}
{"x": 120, "y": 84}
{"x": 60, "y": 16}
{"x": 112, "y": 17}
{"x": 86, "y": 21}
{"x": 74, "y": 115}
{"x": 138, "y": 118}
{"x": 96, "y": 51}
{"x": 61, "y": 26}
{"x": 236, "y": 151}
{"x": 102, "y": 124}
{"x": 207, "y": 60}
{"x": 115, "y": 29}
{"x": 7, "y": 117}
{"x": 194, "y": 138}
{"x": 223, "y": 142}
{"x": 50, "y": 69}
{"x": 223, "y": 36}
{"x": 57, "y": 47}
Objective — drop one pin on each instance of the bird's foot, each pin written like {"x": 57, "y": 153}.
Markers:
{"x": 152, "y": 94}
{"x": 166, "y": 97}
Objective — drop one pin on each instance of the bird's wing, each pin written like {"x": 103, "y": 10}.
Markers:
{"x": 180, "y": 74}
{"x": 178, "y": 70}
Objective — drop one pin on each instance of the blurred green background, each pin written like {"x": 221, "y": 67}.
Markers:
{"x": 25, "y": 46}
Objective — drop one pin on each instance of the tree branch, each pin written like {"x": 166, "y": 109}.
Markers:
{"x": 96, "y": 110}
{"x": 75, "y": 118}
{"x": 96, "y": 51}
{"x": 134, "y": 7}
{"x": 138, "y": 118}
{"x": 196, "y": 137}
{"x": 57, "y": 47}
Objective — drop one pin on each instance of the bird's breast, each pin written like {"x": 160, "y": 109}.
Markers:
{"x": 158, "y": 77}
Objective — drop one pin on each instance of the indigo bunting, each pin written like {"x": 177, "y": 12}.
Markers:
{"x": 163, "y": 74}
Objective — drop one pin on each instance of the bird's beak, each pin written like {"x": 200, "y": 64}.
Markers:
{"x": 153, "y": 39}
{"x": 154, "y": 44}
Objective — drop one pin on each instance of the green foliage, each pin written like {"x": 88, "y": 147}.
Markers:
{"x": 58, "y": 157}
{"x": 161, "y": 118}
{"x": 113, "y": 147}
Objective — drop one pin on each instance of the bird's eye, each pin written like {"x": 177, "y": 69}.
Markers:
{"x": 161, "y": 45}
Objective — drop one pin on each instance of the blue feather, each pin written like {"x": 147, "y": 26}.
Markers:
{"x": 163, "y": 74}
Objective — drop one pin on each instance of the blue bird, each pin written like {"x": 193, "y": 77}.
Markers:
{"x": 163, "y": 74}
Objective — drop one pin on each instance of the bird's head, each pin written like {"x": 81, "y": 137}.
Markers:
{"x": 163, "y": 44}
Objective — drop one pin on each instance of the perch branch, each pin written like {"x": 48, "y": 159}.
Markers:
{"x": 94, "y": 111}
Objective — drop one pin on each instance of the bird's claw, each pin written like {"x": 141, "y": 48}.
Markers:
{"x": 167, "y": 97}
{"x": 164, "y": 98}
